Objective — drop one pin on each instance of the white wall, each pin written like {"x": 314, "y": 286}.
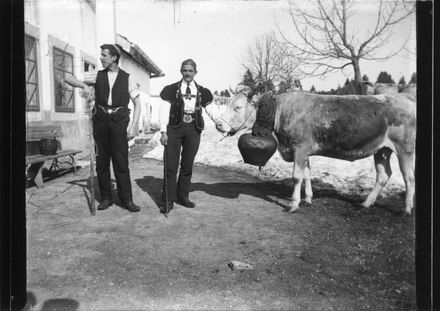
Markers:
{"x": 142, "y": 78}
{"x": 137, "y": 73}
{"x": 104, "y": 23}
{"x": 74, "y": 26}
{"x": 70, "y": 26}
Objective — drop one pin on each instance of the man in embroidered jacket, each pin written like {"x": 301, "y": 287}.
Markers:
{"x": 181, "y": 125}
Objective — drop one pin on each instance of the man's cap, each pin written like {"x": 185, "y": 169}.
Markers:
{"x": 189, "y": 62}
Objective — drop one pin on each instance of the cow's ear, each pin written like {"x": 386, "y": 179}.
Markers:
{"x": 246, "y": 91}
{"x": 249, "y": 94}
{"x": 255, "y": 100}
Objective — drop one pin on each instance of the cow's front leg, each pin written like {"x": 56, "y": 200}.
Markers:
{"x": 298, "y": 176}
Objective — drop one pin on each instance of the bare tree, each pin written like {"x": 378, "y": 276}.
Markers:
{"x": 328, "y": 42}
{"x": 260, "y": 60}
{"x": 268, "y": 63}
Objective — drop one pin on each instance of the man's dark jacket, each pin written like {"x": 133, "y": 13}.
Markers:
{"x": 172, "y": 94}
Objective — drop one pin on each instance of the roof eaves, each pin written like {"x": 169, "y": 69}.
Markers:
{"x": 139, "y": 56}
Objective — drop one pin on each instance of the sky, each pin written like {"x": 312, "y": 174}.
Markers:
{"x": 217, "y": 34}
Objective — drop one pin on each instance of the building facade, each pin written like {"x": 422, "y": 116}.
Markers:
{"x": 61, "y": 38}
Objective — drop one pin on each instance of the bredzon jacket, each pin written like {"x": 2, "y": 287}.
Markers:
{"x": 172, "y": 94}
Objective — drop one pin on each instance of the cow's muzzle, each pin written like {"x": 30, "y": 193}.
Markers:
{"x": 219, "y": 125}
{"x": 223, "y": 127}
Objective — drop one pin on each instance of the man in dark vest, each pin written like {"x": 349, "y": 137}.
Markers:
{"x": 181, "y": 126}
{"x": 113, "y": 90}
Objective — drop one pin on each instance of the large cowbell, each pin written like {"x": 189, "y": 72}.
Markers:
{"x": 258, "y": 147}
{"x": 255, "y": 149}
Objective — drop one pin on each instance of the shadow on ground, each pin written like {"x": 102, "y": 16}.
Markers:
{"x": 55, "y": 304}
{"x": 263, "y": 190}
{"x": 48, "y": 175}
{"x": 86, "y": 186}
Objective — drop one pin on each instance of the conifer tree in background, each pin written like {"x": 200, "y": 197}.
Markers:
{"x": 413, "y": 79}
{"x": 248, "y": 79}
{"x": 365, "y": 78}
{"x": 284, "y": 86}
{"x": 384, "y": 77}
{"x": 402, "y": 81}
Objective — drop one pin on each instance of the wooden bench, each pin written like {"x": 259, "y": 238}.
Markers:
{"x": 35, "y": 160}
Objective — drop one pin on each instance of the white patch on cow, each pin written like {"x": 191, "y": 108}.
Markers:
{"x": 386, "y": 88}
{"x": 327, "y": 124}
{"x": 381, "y": 97}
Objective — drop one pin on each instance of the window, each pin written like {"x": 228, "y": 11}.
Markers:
{"x": 63, "y": 66}
{"x": 32, "y": 99}
{"x": 88, "y": 66}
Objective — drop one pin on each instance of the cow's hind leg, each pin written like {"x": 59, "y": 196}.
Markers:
{"x": 298, "y": 176}
{"x": 308, "y": 183}
{"x": 383, "y": 174}
{"x": 406, "y": 164}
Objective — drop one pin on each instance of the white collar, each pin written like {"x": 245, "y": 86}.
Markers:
{"x": 192, "y": 84}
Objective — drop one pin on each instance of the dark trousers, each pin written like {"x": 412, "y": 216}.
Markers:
{"x": 183, "y": 143}
{"x": 111, "y": 139}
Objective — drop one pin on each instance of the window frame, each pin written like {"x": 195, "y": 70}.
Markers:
{"x": 66, "y": 88}
{"x": 89, "y": 63}
{"x": 36, "y": 92}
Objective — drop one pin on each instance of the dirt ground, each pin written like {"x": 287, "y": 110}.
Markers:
{"x": 331, "y": 255}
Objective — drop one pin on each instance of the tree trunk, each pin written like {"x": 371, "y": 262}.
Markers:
{"x": 357, "y": 77}
{"x": 357, "y": 71}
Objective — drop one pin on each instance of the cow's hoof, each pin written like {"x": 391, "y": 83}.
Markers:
{"x": 364, "y": 205}
{"x": 306, "y": 203}
{"x": 404, "y": 213}
{"x": 407, "y": 211}
{"x": 308, "y": 200}
{"x": 290, "y": 209}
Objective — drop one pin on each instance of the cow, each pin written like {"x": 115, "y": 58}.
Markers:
{"x": 409, "y": 88}
{"x": 347, "y": 127}
{"x": 385, "y": 88}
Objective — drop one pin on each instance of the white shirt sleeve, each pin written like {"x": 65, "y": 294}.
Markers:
{"x": 88, "y": 77}
{"x": 212, "y": 111}
{"x": 132, "y": 89}
{"x": 164, "y": 115}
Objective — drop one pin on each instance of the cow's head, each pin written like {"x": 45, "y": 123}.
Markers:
{"x": 239, "y": 113}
